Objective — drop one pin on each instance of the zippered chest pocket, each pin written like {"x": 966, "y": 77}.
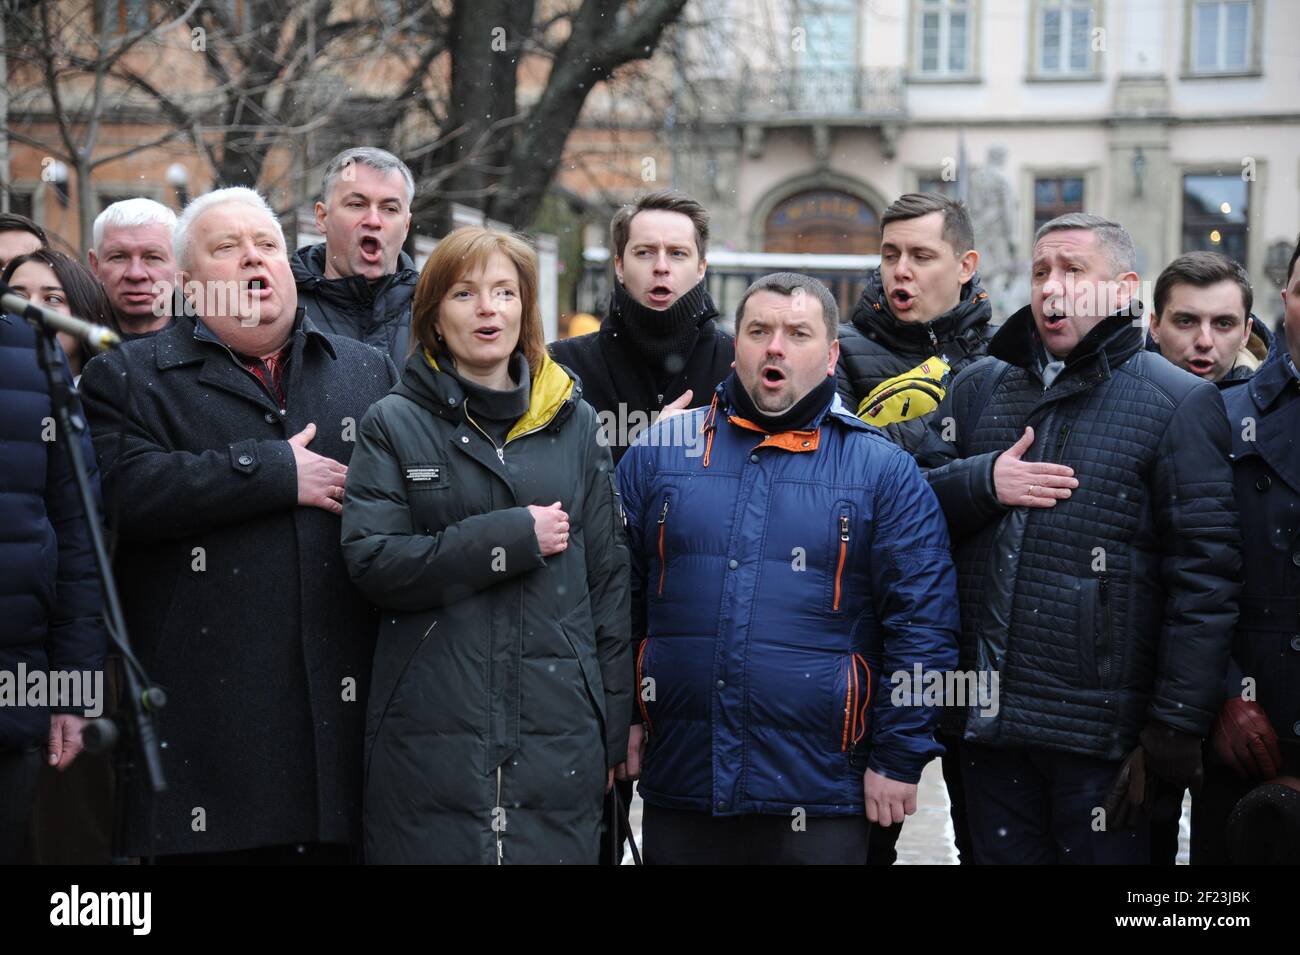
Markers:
{"x": 661, "y": 543}
{"x": 843, "y": 567}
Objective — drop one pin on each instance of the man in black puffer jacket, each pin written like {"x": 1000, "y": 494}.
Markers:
{"x": 923, "y": 302}
{"x": 359, "y": 283}
{"x": 1097, "y": 560}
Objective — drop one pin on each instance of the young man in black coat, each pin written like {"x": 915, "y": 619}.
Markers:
{"x": 1257, "y": 733}
{"x": 1089, "y": 497}
{"x": 659, "y": 348}
{"x": 224, "y": 444}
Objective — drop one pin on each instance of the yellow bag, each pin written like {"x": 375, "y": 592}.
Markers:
{"x": 913, "y": 394}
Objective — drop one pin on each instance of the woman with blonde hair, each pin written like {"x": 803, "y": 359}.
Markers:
{"x": 482, "y": 516}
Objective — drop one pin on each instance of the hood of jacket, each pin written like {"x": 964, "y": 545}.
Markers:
{"x": 967, "y": 320}
{"x": 352, "y": 292}
{"x": 553, "y": 391}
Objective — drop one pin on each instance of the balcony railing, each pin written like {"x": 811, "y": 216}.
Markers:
{"x": 872, "y": 93}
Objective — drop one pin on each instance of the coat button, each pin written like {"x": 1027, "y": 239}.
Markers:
{"x": 245, "y": 460}
{"x": 452, "y": 402}
{"x": 722, "y": 804}
{"x": 733, "y": 563}
{"x": 271, "y": 417}
{"x": 1295, "y": 557}
{"x": 1295, "y": 643}
{"x": 722, "y": 684}
{"x": 1263, "y": 483}
{"x": 753, "y": 458}
{"x": 464, "y": 439}
{"x": 1295, "y": 727}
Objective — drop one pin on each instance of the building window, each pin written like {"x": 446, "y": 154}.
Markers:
{"x": 1064, "y": 46}
{"x": 945, "y": 37}
{"x": 1221, "y": 35}
{"x": 1055, "y": 196}
{"x": 106, "y": 199}
{"x": 22, "y": 202}
{"x": 1215, "y": 209}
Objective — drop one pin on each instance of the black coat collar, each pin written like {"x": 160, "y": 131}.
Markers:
{"x": 1272, "y": 379}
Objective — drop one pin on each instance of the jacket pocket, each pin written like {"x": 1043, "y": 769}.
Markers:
{"x": 644, "y": 694}
{"x": 840, "y": 560}
{"x": 1094, "y": 631}
{"x": 661, "y": 541}
{"x": 853, "y": 691}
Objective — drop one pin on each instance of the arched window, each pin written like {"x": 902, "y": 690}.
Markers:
{"x": 825, "y": 221}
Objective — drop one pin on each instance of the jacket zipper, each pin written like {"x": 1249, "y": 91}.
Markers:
{"x": 500, "y": 449}
{"x": 860, "y": 712}
{"x": 1103, "y": 587}
{"x": 640, "y": 690}
{"x": 933, "y": 339}
{"x": 844, "y": 550}
{"x": 663, "y": 519}
{"x": 849, "y": 700}
{"x": 1061, "y": 437}
{"x": 498, "y": 820}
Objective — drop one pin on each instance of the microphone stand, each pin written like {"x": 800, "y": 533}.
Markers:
{"x": 137, "y": 720}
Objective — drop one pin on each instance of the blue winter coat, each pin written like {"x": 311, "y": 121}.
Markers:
{"x": 778, "y": 580}
{"x": 50, "y": 597}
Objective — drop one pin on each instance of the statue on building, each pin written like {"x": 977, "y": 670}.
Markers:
{"x": 992, "y": 205}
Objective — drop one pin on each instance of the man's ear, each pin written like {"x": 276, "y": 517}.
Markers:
{"x": 704, "y": 266}
{"x": 1153, "y": 326}
{"x": 969, "y": 262}
{"x": 1250, "y": 323}
{"x": 94, "y": 260}
{"x": 618, "y": 268}
{"x": 1127, "y": 289}
{"x": 320, "y": 217}
{"x": 834, "y": 357}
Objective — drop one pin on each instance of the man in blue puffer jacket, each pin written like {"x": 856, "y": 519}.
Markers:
{"x": 787, "y": 559}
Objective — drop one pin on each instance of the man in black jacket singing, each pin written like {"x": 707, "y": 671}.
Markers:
{"x": 659, "y": 348}
{"x": 1089, "y": 497}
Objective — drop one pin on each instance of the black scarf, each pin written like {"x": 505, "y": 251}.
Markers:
{"x": 664, "y": 339}
{"x": 496, "y": 410}
{"x": 798, "y": 417}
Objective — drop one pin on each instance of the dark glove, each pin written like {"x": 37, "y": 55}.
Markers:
{"x": 1132, "y": 794}
{"x": 1173, "y": 756}
{"x": 1166, "y": 762}
{"x": 1246, "y": 741}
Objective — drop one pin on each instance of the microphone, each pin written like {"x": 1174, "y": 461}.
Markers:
{"x": 99, "y": 337}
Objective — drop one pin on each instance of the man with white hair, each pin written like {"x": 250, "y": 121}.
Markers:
{"x": 229, "y": 459}
{"x": 359, "y": 282}
{"x": 132, "y": 258}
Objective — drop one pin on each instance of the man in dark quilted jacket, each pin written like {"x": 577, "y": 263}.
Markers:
{"x": 1089, "y": 497}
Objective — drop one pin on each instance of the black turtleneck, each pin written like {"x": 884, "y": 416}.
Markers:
{"x": 496, "y": 411}
{"x": 664, "y": 339}
{"x": 798, "y": 417}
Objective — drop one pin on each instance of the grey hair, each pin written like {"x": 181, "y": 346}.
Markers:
{"x": 785, "y": 283}
{"x": 380, "y": 160}
{"x": 1111, "y": 236}
{"x": 241, "y": 194}
{"x": 131, "y": 212}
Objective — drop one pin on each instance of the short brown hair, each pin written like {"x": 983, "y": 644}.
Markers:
{"x": 1202, "y": 269}
{"x": 466, "y": 250}
{"x": 620, "y": 227}
{"x": 957, "y": 230}
{"x": 786, "y": 283}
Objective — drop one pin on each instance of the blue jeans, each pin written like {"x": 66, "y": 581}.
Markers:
{"x": 1041, "y": 807}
